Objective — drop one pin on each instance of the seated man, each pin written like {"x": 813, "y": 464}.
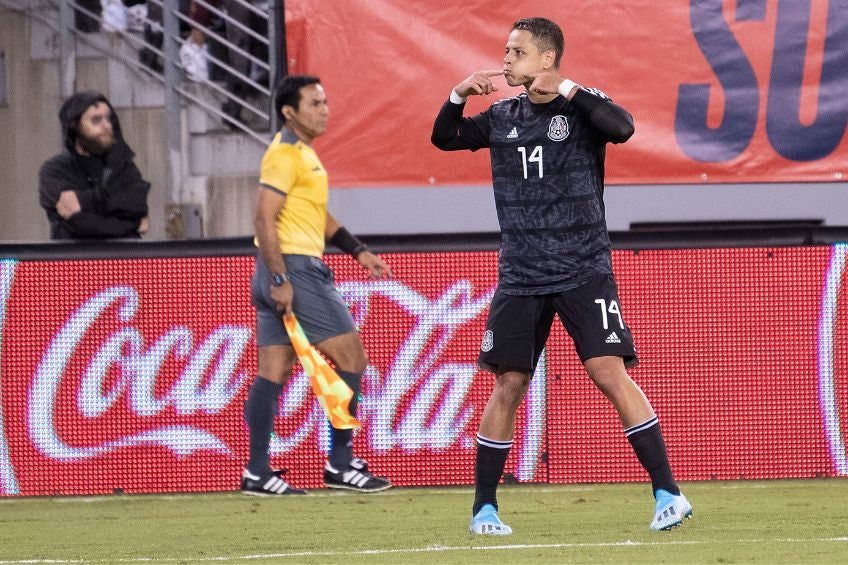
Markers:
{"x": 93, "y": 190}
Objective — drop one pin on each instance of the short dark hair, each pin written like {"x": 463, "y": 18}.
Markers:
{"x": 288, "y": 91}
{"x": 546, "y": 35}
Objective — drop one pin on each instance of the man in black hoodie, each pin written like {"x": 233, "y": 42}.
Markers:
{"x": 93, "y": 190}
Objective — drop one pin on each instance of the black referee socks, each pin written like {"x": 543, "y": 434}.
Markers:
{"x": 260, "y": 408}
{"x": 341, "y": 441}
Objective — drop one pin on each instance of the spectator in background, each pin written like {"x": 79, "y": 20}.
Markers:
{"x": 153, "y": 33}
{"x": 193, "y": 54}
{"x": 93, "y": 190}
{"x": 194, "y": 51}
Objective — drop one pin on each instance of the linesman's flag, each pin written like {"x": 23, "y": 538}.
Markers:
{"x": 332, "y": 392}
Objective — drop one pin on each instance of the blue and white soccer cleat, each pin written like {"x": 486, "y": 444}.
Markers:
{"x": 486, "y": 522}
{"x": 670, "y": 511}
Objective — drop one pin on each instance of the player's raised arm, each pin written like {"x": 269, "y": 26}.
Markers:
{"x": 450, "y": 130}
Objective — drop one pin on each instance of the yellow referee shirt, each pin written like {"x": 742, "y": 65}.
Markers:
{"x": 292, "y": 167}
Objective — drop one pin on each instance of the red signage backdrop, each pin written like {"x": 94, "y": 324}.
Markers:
{"x": 130, "y": 375}
{"x": 721, "y": 90}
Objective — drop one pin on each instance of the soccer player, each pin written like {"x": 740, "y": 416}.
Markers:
{"x": 292, "y": 224}
{"x": 547, "y": 151}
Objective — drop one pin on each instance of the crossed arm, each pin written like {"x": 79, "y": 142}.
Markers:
{"x": 76, "y": 210}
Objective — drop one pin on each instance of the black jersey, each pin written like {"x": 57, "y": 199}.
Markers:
{"x": 548, "y": 179}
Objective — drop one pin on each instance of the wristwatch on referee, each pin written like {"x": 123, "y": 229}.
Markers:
{"x": 279, "y": 279}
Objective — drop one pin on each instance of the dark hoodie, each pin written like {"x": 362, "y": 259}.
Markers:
{"x": 111, "y": 192}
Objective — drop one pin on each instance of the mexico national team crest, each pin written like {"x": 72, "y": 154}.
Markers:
{"x": 558, "y": 130}
{"x": 488, "y": 341}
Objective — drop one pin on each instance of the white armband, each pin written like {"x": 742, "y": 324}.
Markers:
{"x": 456, "y": 98}
{"x": 566, "y": 86}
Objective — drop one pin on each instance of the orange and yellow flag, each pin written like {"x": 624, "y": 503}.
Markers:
{"x": 332, "y": 392}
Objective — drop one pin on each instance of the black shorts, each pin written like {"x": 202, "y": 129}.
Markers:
{"x": 519, "y": 326}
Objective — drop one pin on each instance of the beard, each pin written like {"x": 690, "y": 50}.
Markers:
{"x": 94, "y": 145}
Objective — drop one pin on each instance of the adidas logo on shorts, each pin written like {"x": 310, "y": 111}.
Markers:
{"x": 613, "y": 338}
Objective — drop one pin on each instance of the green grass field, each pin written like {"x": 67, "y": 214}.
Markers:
{"x": 734, "y": 522}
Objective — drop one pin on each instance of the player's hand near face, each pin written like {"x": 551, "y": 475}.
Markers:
{"x": 545, "y": 83}
{"x": 478, "y": 83}
{"x": 375, "y": 266}
{"x": 548, "y": 83}
{"x": 283, "y": 296}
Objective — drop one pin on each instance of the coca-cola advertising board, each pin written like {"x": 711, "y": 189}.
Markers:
{"x": 129, "y": 375}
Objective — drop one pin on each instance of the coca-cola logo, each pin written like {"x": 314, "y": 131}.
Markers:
{"x": 834, "y": 424}
{"x": 102, "y": 374}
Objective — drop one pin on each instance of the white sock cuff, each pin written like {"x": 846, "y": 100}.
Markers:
{"x": 643, "y": 426}
{"x": 496, "y": 443}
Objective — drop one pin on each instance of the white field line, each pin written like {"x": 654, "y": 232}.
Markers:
{"x": 429, "y": 549}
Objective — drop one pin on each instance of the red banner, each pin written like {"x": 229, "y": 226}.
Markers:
{"x": 130, "y": 375}
{"x": 721, "y": 90}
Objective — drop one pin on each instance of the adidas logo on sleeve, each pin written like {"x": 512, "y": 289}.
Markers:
{"x": 613, "y": 338}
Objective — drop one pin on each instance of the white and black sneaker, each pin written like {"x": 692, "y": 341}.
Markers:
{"x": 356, "y": 477}
{"x": 271, "y": 484}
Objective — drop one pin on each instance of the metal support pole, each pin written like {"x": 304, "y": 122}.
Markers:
{"x": 277, "y": 55}
{"x": 67, "y": 50}
{"x": 173, "y": 115}
{"x": 174, "y": 213}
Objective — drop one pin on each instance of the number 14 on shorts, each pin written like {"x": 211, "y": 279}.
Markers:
{"x": 612, "y": 308}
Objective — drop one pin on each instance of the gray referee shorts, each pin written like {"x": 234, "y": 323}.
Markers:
{"x": 317, "y": 304}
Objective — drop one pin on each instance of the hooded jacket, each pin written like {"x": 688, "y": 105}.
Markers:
{"x": 111, "y": 192}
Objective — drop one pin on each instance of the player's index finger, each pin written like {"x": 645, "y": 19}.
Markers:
{"x": 492, "y": 73}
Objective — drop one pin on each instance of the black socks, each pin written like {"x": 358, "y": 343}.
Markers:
{"x": 491, "y": 458}
{"x": 341, "y": 441}
{"x": 648, "y": 443}
{"x": 263, "y": 398}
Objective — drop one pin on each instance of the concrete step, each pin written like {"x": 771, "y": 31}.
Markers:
{"x": 219, "y": 153}
{"x": 44, "y": 35}
{"x": 129, "y": 85}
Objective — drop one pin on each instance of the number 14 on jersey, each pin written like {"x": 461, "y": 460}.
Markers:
{"x": 535, "y": 157}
